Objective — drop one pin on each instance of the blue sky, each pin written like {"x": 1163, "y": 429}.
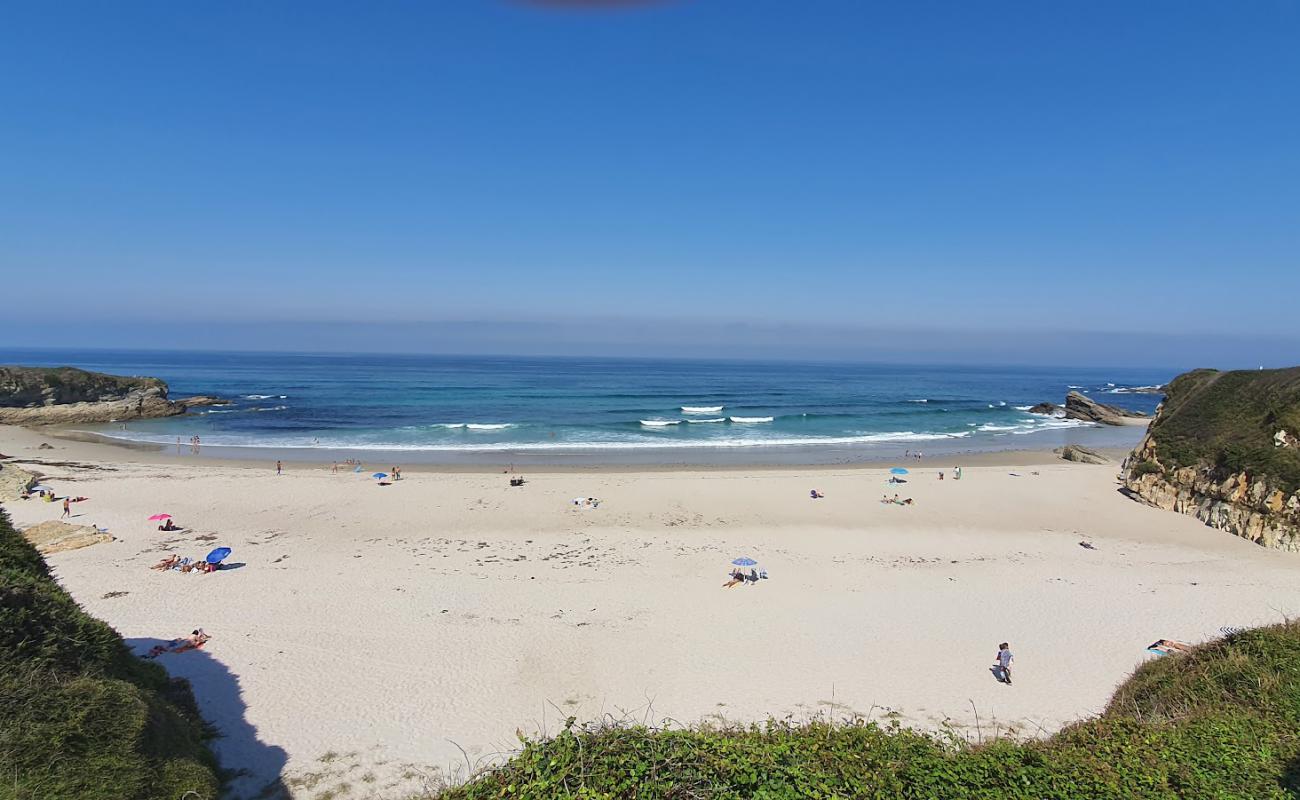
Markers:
{"x": 824, "y": 168}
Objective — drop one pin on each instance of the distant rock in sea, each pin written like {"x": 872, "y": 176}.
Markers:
{"x": 1047, "y": 409}
{"x": 1083, "y": 408}
{"x": 66, "y": 395}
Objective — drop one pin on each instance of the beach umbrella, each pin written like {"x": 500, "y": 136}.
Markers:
{"x": 40, "y": 487}
{"x": 157, "y": 517}
{"x": 218, "y": 555}
{"x": 898, "y": 471}
{"x": 744, "y": 561}
{"x": 380, "y": 475}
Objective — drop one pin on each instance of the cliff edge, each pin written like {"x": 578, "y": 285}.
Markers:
{"x": 1223, "y": 448}
{"x": 58, "y": 395}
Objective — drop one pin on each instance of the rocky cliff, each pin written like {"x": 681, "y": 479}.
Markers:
{"x": 57, "y": 395}
{"x": 1223, "y": 449}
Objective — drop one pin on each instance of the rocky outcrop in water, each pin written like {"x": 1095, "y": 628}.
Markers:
{"x": 1047, "y": 409}
{"x": 1077, "y": 406}
{"x": 64, "y": 395}
{"x": 1214, "y": 451}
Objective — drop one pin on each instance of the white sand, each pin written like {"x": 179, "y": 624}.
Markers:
{"x": 399, "y": 622}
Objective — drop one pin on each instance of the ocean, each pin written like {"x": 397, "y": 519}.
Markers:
{"x": 447, "y": 409}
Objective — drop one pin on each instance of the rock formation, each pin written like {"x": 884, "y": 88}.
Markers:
{"x": 55, "y": 537}
{"x": 14, "y": 480}
{"x": 59, "y": 395}
{"x": 1084, "y": 408}
{"x": 1213, "y": 452}
{"x": 1083, "y": 455}
{"x": 1048, "y": 409}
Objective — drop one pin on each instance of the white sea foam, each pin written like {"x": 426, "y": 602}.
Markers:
{"x": 919, "y": 401}
{"x": 709, "y": 419}
{"x": 270, "y": 408}
{"x": 748, "y": 420}
{"x": 266, "y": 396}
{"x": 1033, "y": 426}
{"x": 1134, "y": 390}
{"x": 1023, "y": 408}
{"x": 233, "y": 441}
{"x": 701, "y": 409}
{"x": 660, "y": 423}
{"x": 474, "y": 426}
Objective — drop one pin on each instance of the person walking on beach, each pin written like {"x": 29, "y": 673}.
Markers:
{"x": 1002, "y": 669}
{"x": 67, "y": 508}
{"x": 279, "y": 468}
{"x": 335, "y": 469}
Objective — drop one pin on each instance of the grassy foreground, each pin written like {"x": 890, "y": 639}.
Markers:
{"x": 80, "y": 717}
{"x": 1222, "y": 722}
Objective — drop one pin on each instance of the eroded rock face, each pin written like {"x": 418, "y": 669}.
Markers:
{"x": 1048, "y": 409}
{"x": 1251, "y": 508}
{"x": 1084, "y": 408}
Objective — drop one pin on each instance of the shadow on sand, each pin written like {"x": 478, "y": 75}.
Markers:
{"x": 253, "y": 768}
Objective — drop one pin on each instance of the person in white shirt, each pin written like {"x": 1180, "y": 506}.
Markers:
{"x": 1002, "y": 669}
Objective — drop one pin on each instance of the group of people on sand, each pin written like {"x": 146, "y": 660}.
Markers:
{"x": 176, "y": 562}
{"x": 586, "y": 502}
{"x": 738, "y": 576}
{"x": 887, "y": 500}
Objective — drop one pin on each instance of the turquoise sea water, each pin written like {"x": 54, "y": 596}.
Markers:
{"x": 457, "y": 409}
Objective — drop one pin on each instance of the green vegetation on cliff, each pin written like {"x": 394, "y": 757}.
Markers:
{"x": 1227, "y": 421}
{"x": 23, "y": 387}
{"x": 80, "y": 717}
{"x": 1223, "y": 721}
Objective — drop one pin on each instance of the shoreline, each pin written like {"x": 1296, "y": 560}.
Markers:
{"x": 96, "y": 445}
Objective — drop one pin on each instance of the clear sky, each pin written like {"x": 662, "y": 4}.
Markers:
{"x": 829, "y": 169}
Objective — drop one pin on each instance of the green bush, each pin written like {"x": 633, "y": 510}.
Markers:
{"x": 1221, "y": 722}
{"x": 80, "y": 717}
{"x": 1144, "y": 468}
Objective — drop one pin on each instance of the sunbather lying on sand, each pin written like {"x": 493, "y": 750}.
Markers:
{"x": 1166, "y": 646}
{"x": 194, "y": 641}
{"x": 168, "y": 563}
{"x": 737, "y": 576}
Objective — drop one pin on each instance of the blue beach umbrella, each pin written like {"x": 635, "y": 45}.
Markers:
{"x": 380, "y": 475}
{"x": 218, "y": 555}
{"x": 744, "y": 561}
{"x": 898, "y": 471}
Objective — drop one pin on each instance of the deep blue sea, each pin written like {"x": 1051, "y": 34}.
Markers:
{"x": 494, "y": 409}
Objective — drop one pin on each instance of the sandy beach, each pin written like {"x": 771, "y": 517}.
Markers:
{"x": 384, "y": 637}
